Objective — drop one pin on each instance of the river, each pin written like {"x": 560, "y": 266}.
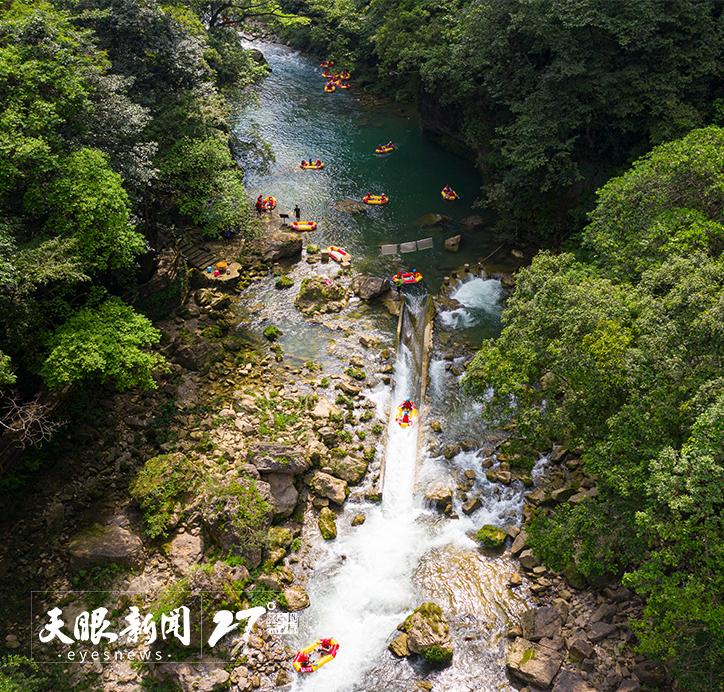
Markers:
{"x": 366, "y": 581}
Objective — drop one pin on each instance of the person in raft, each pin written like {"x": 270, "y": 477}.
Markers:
{"x": 259, "y": 206}
{"x": 406, "y": 407}
{"x": 447, "y": 189}
{"x": 326, "y": 645}
{"x": 297, "y": 212}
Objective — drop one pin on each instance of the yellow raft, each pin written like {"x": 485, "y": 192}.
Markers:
{"x": 329, "y": 88}
{"x": 303, "y": 226}
{"x": 384, "y": 149}
{"x": 450, "y": 196}
{"x": 375, "y": 199}
{"x": 307, "y": 166}
{"x": 400, "y": 416}
{"x": 303, "y": 661}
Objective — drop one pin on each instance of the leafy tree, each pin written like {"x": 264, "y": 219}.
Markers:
{"x": 87, "y": 201}
{"x": 619, "y": 355}
{"x": 104, "y": 342}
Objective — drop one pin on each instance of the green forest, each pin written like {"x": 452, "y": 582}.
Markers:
{"x": 598, "y": 131}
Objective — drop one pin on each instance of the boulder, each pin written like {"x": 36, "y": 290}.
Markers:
{"x": 318, "y": 295}
{"x": 600, "y": 630}
{"x": 519, "y": 542}
{"x": 532, "y": 663}
{"x": 428, "y": 634}
{"x": 272, "y": 457}
{"x": 472, "y": 223}
{"x": 206, "y": 676}
{"x": 283, "y": 492}
{"x": 651, "y": 674}
{"x": 470, "y": 505}
{"x": 452, "y": 244}
{"x": 325, "y": 485}
{"x": 350, "y": 469}
{"x": 580, "y": 648}
{"x": 528, "y": 560}
{"x": 327, "y": 523}
{"x": 515, "y": 579}
{"x": 439, "y": 495}
{"x": 281, "y": 245}
{"x": 358, "y": 519}
{"x": 604, "y": 612}
{"x": 538, "y": 623}
{"x": 100, "y": 545}
{"x": 296, "y": 598}
{"x": 568, "y": 681}
{"x": 323, "y": 409}
{"x": 185, "y": 550}
{"x": 399, "y": 647}
{"x": 369, "y": 287}
{"x": 490, "y": 536}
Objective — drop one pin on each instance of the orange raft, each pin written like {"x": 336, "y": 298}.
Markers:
{"x": 339, "y": 255}
{"x": 375, "y": 199}
{"x": 344, "y": 85}
{"x": 302, "y": 226}
{"x": 406, "y": 278}
{"x": 269, "y": 203}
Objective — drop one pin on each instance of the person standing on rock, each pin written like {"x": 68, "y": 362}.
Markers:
{"x": 297, "y": 212}
{"x": 259, "y": 205}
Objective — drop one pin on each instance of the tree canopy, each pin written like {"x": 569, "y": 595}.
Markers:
{"x": 619, "y": 354}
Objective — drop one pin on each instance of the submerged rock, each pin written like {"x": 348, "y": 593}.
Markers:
{"x": 350, "y": 206}
{"x": 327, "y": 523}
{"x": 533, "y": 663}
{"x": 452, "y": 244}
{"x": 431, "y": 219}
{"x": 320, "y": 295}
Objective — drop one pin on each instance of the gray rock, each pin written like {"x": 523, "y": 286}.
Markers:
{"x": 399, "y": 647}
{"x": 284, "y": 493}
{"x": 323, "y": 409}
{"x": 100, "y": 545}
{"x": 604, "y": 612}
{"x": 439, "y": 495}
{"x": 538, "y": 623}
{"x": 580, "y": 648}
{"x": 271, "y": 457}
{"x": 629, "y": 685}
{"x": 281, "y": 245}
{"x": 184, "y": 551}
{"x": 369, "y": 287}
{"x": 533, "y": 663}
{"x": 452, "y": 244}
{"x": 350, "y": 469}
{"x": 428, "y": 631}
{"x": 472, "y": 223}
{"x": 296, "y": 597}
{"x": 207, "y": 676}
{"x": 330, "y": 487}
{"x": 567, "y": 681}
{"x": 519, "y": 543}
{"x": 528, "y": 560}
{"x": 600, "y": 630}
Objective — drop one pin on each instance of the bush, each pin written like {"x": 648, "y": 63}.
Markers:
{"x": 284, "y": 281}
{"x": 159, "y": 489}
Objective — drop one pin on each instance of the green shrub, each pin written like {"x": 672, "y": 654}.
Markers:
{"x": 159, "y": 489}
{"x": 272, "y": 333}
{"x": 284, "y": 281}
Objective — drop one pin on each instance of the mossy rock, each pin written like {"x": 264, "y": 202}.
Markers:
{"x": 327, "y": 523}
{"x": 272, "y": 333}
{"x": 437, "y": 655}
{"x": 491, "y": 537}
{"x": 280, "y": 537}
{"x": 284, "y": 281}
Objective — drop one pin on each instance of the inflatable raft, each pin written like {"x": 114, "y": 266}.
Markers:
{"x": 344, "y": 85}
{"x": 339, "y": 255}
{"x": 269, "y": 203}
{"x": 384, "y": 149}
{"x": 307, "y": 166}
{"x": 311, "y": 658}
{"x": 400, "y": 416}
{"x": 302, "y": 226}
{"x": 450, "y": 196}
{"x": 326, "y": 63}
{"x": 327, "y": 74}
{"x": 406, "y": 278}
{"x": 375, "y": 199}
{"x": 345, "y": 75}
{"x": 329, "y": 87}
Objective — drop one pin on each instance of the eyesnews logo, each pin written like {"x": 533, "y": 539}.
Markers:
{"x": 100, "y": 634}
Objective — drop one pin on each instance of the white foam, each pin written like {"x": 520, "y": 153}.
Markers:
{"x": 479, "y": 297}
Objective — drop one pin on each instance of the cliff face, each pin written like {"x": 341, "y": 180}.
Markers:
{"x": 443, "y": 122}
